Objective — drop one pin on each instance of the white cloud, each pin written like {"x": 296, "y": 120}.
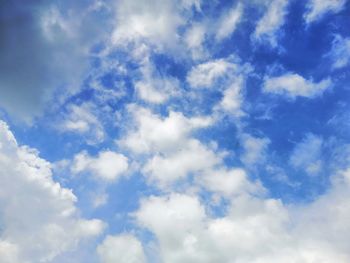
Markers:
{"x": 191, "y": 158}
{"x": 123, "y": 248}
{"x": 340, "y": 52}
{"x": 153, "y": 87}
{"x": 108, "y": 165}
{"x": 272, "y": 20}
{"x": 316, "y": 9}
{"x": 254, "y": 149}
{"x": 194, "y": 38}
{"x": 204, "y": 75}
{"x": 153, "y": 21}
{"x": 39, "y": 220}
{"x": 82, "y": 120}
{"x": 252, "y": 229}
{"x": 154, "y": 133}
{"x": 228, "y": 182}
{"x": 232, "y": 99}
{"x": 186, "y": 233}
{"x": 307, "y": 154}
{"x": 293, "y": 85}
{"x": 228, "y": 22}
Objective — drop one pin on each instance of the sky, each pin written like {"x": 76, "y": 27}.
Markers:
{"x": 163, "y": 131}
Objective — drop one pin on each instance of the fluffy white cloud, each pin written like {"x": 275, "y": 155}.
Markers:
{"x": 272, "y": 20}
{"x": 204, "y": 75}
{"x": 316, "y": 9}
{"x": 340, "y": 52}
{"x": 307, "y": 154}
{"x": 108, "y": 165}
{"x": 154, "y": 21}
{"x": 38, "y": 218}
{"x": 253, "y": 229}
{"x": 228, "y": 22}
{"x": 191, "y": 158}
{"x": 186, "y": 233}
{"x": 123, "y": 248}
{"x": 154, "y": 133}
{"x": 228, "y": 182}
{"x": 293, "y": 85}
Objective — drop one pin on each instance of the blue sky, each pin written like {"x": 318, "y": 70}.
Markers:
{"x": 168, "y": 131}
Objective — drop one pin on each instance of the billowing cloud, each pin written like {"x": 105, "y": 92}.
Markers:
{"x": 253, "y": 229}
{"x": 39, "y": 220}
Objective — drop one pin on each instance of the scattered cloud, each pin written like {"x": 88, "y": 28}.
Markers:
{"x": 156, "y": 134}
{"x": 316, "y": 9}
{"x": 204, "y": 75}
{"x": 107, "y": 166}
{"x": 255, "y": 150}
{"x": 82, "y": 119}
{"x": 228, "y": 22}
{"x": 307, "y": 155}
{"x": 273, "y": 19}
{"x": 293, "y": 85}
{"x": 340, "y": 52}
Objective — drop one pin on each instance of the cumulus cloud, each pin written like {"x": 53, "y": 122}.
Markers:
{"x": 316, "y": 9}
{"x": 293, "y": 85}
{"x": 39, "y": 220}
{"x": 272, "y": 20}
{"x": 154, "y": 133}
{"x": 153, "y": 21}
{"x": 253, "y": 229}
{"x": 123, "y": 248}
{"x": 107, "y": 166}
{"x": 191, "y": 158}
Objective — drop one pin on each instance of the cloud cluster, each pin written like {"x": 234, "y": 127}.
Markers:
{"x": 39, "y": 219}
